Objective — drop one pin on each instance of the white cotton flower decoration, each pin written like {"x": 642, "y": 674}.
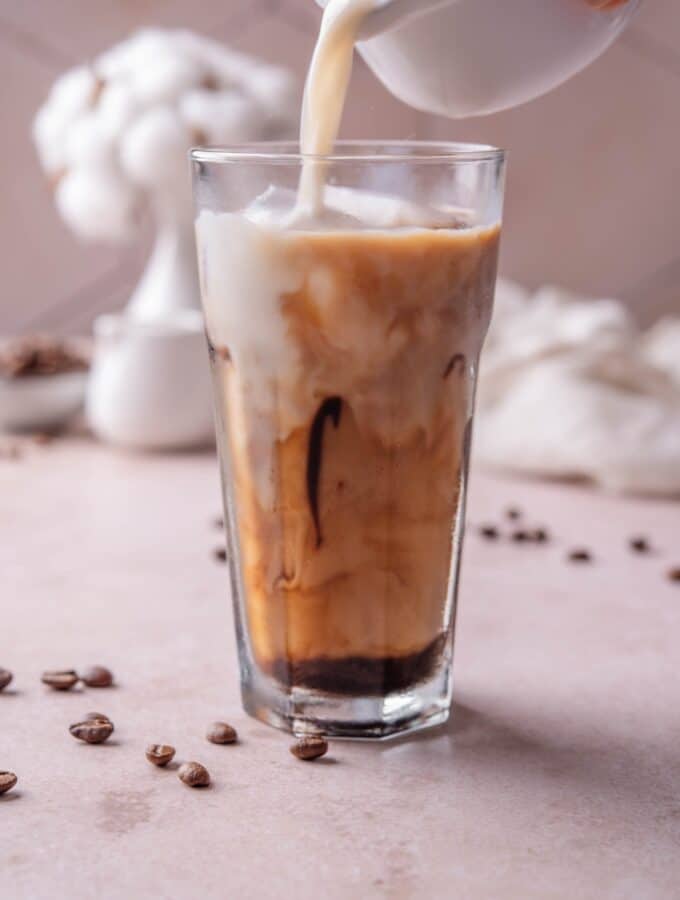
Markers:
{"x": 96, "y": 203}
{"x": 49, "y": 134}
{"x": 138, "y": 50}
{"x": 165, "y": 79}
{"x": 88, "y": 144}
{"x": 69, "y": 98}
{"x": 275, "y": 86}
{"x": 117, "y": 107}
{"x": 128, "y": 119}
{"x": 72, "y": 92}
{"x": 152, "y": 151}
{"x": 219, "y": 118}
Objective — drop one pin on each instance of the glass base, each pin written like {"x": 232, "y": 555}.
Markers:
{"x": 301, "y": 711}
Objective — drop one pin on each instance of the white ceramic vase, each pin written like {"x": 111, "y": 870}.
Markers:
{"x": 150, "y": 385}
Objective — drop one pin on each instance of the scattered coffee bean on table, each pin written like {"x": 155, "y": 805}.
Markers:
{"x": 513, "y": 513}
{"x": 540, "y": 535}
{"x": 60, "y": 680}
{"x": 7, "y": 781}
{"x": 193, "y": 774}
{"x": 674, "y": 574}
{"x": 580, "y": 556}
{"x": 220, "y": 554}
{"x": 10, "y": 451}
{"x": 490, "y": 532}
{"x": 97, "y": 677}
{"x": 5, "y": 678}
{"x": 221, "y": 733}
{"x": 159, "y": 754}
{"x": 310, "y": 747}
{"x": 92, "y": 731}
{"x": 639, "y": 545}
{"x": 520, "y": 536}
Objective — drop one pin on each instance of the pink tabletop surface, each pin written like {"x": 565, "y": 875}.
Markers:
{"x": 557, "y": 777}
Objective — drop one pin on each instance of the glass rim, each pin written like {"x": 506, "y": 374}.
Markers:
{"x": 350, "y": 151}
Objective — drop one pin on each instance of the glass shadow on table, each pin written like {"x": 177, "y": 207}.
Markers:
{"x": 572, "y": 763}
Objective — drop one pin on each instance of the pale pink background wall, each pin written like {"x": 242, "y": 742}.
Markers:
{"x": 594, "y": 188}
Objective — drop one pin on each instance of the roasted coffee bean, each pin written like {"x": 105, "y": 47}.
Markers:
{"x": 580, "y": 556}
{"x": 540, "y": 535}
{"x": 520, "y": 536}
{"x": 7, "y": 781}
{"x": 9, "y": 450}
{"x": 193, "y": 774}
{"x": 159, "y": 754}
{"x": 97, "y": 677}
{"x": 221, "y": 733}
{"x": 220, "y": 554}
{"x": 60, "y": 680}
{"x": 674, "y": 574}
{"x": 513, "y": 513}
{"x": 639, "y": 545}
{"x": 310, "y": 747}
{"x": 490, "y": 532}
{"x": 92, "y": 731}
{"x": 5, "y": 678}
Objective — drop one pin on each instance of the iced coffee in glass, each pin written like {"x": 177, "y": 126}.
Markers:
{"x": 344, "y": 343}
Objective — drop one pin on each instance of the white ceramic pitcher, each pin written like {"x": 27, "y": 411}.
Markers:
{"x": 472, "y": 57}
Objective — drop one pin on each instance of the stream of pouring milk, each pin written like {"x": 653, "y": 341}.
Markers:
{"x": 325, "y": 92}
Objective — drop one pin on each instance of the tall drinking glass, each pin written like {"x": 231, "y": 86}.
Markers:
{"x": 344, "y": 346}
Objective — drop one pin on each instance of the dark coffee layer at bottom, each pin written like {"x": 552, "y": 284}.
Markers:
{"x": 360, "y": 676}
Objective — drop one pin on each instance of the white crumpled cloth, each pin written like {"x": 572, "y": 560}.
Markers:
{"x": 569, "y": 387}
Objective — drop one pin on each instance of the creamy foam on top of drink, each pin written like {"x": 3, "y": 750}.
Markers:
{"x": 347, "y": 208}
{"x": 244, "y": 260}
